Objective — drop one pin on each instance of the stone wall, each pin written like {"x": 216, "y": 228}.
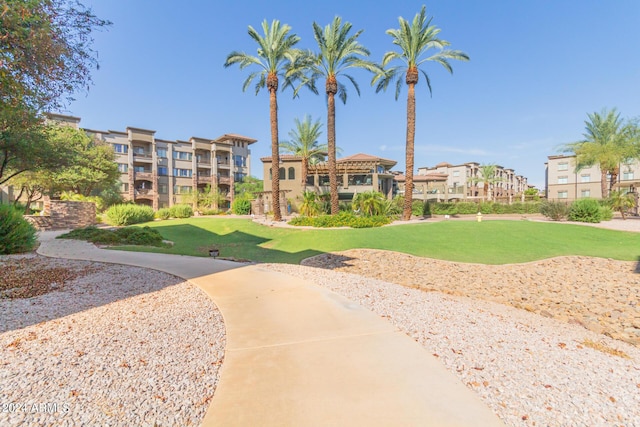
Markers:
{"x": 64, "y": 214}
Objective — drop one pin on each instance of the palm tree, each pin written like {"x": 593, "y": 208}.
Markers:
{"x": 303, "y": 142}
{"x": 338, "y": 52}
{"x": 487, "y": 179}
{"x": 309, "y": 206}
{"x": 414, "y": 39}
{"x": 608, "y": 141}
{"x": 276, "y": 58}
{"x": 369, "y": 203}
{"x": 622, "y": 201}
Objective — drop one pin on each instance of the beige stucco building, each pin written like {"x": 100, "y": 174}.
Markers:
{"x": 356, "y": 174}
{"x": 564, "y": 182}
{"x": 158, "y": 172}
{"x": 464, "y": 181}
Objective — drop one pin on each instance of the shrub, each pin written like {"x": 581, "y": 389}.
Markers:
{"x": 467, "y": 208}
{"x": 210, "y": 211}
{"x": 241, "y": 206}
{"x": 181, "y": 211}
{"x": 121, "y": 236}
{"x": 342, "y": 219}
{"x": 128, "y": 214}
{"x": 606, "y": 213}
{"x": 556, "y": 211}
{"x": 585, "y": 210}
{"x": 16, "y": 233}
{"x": 163, "y": 213}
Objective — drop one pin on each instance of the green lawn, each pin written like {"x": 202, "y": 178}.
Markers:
{"x": 489, "y": 242}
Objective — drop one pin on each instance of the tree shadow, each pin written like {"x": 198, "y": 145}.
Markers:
{"x": 637, "y": 270}
{"x": 328, "y": 261}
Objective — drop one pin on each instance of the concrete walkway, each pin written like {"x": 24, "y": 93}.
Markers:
{"x": 300, "y": 355}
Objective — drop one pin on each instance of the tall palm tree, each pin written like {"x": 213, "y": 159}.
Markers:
{"x": 608, "y": 141}
{"x": 414, "y": 39}
{"x": 338, "y": 52}
{"x": 488, "y": 179}
{"x": 304, "y": 143}
{"x": 276, "y": 58}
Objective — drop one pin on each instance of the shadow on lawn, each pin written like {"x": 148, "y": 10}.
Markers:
{"x": 236, "y": 245}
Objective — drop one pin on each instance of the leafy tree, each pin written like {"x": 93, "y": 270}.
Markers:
{"x": 204, "y": 199}
{"x": 276, "y": 58}
{"x": 338, "y": 52}
{"x": 93, "y": 166}
{"x": 31, "y": 186}
{"x": 248, "y": 187}
{"x": 414, "y": 40}
{"x": 45, "y": 56}
{"x": 46, "y": 51}
{"x": 304, "y": 143}
{"x": 608, "y": 141}
{"x": 621, "y": 201}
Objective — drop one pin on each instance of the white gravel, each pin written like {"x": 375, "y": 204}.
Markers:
{"x": 531, "y": 370}
{"x": 123, "y": 346}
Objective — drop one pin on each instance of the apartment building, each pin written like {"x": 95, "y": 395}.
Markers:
{"x": 158, "y": 172}
{"x": 564, "y": 182}
{"x": 465, "y": 181}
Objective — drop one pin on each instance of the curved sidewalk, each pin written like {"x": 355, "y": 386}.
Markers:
{"x": 300, "y": 355}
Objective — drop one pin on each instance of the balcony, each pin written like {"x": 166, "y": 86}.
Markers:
{"x": 144, "y": 193}
{"x": 224, "y": 180}
{"x": 143, "y": 175}
{"x": 204, "y": 180}
{"x": 223, "y": 164}
{"x": 142, "y": 156}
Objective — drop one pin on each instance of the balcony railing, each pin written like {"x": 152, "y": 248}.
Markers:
{"x": 204, "y": 180}
{"x": 143, "y": 175}
{"x": 144, "y": 193}
{"x": 224, "y": 180}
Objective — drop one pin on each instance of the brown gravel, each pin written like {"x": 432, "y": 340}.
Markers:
{"x": 603, "y": 295}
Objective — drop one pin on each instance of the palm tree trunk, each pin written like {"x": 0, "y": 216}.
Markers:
{"x": 603, "y": 184}
{"x": 304, "y": 173}
{"x": 275, "y": 158}
{"x": 331, "y": 148}
{"x": 411, "y": 135}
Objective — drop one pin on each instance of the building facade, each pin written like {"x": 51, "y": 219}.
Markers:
{"x": 564, "y": 182}
{"x": 356, "y": 174}
{"x": 159, "y": 173}
{"x": 465, "y": 181}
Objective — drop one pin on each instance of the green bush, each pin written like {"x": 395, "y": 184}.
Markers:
{"x": 210, "y": 211}
{"x": 467, "y": 208}
{"x": 16, "y": 233}
{"x": 121, "y": 236}
{"x": 585, "y": 210}
{"x": 418, "y": 207}
{"x": 556, "y": 211}
{"x": 606, "y": 213}
{"x": 241, "y": 207}
{"x": 342, "y": 219}
{"x": 163, "y": 213}
{"x": 128, "y": 214}
{"x": 181, "y": 211}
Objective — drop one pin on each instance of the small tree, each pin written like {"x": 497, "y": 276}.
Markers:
{"x": 369, "y": 203}
{"x": 621, "y": 201}
{"x": 310, "y": 205}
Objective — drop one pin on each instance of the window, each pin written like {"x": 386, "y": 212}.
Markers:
{"x": 239, "y": 161}
{"x": 563, "y": 166}
{"x": 281, "y": 173}
{"x": 627, "y": 175}
{"x": 585, "y": 193}
{"x": 563, "y": 180}
{"x": 186, "y": 173}
{"x": 163, "y": 170}
{"x": 138, "y": 150}
{"x": 182, "y": 155}
{"x": 124, "y": 187}
{"x": 123, "y": 167}
{"x": 563, "y": 194}
{"x": 585, "y": 178}
{"x": 238, "y": 176}
{"x": 456, "y": 173}
{"x": 140, "y": 169}
{"x": 292, "y": 173}
{"x": 162, "y": 152}
{"x": 182, "y": 189}
{"x": 121, "y": 148}
{"x": 162, "y": 188}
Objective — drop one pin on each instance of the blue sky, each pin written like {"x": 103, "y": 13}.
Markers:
{"x": 537, "y": 68}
